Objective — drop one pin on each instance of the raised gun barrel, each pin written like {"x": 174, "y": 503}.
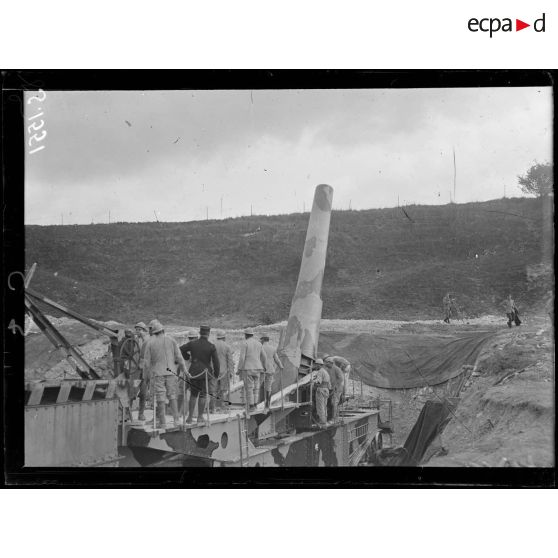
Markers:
{"x": 299, "y": 341}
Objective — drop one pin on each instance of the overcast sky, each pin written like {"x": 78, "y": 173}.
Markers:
{"x": 188, "y": 154}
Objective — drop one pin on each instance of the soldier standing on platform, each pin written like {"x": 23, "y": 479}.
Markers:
{"x": 163, "y": 362}
{"x": 337, "y": 382}
{"x": 273, "y": 361}
{"x": 204, "y": 363}
{"x": 226, "y": 363}
{"x": 251, "y": 364}
{"x": 322, "y": 391}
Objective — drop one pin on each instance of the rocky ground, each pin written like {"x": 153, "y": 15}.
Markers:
{"x": 506, "y": 411}
{"x": 506, "y": 414}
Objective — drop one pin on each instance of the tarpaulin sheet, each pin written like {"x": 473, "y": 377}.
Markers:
{"x": 432, "y": 420}
{"x": 405, "y": 360}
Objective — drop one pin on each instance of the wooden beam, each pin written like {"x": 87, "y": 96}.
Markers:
{"x": 36, "y": 395}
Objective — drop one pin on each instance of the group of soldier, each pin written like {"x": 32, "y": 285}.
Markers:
{"x": 331, "y": 378}
{"x": 450, "y": 307}
{"x": 205, "y": 371}
{"x": 202, "y": 368}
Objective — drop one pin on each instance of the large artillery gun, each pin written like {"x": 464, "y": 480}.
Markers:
{"x": 66, "y": 432}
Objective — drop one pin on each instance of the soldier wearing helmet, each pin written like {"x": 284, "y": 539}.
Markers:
{"x": 162, "y": 360}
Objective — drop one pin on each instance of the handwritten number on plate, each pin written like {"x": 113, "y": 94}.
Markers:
{"x": 36, "y": 97}
{"x": 34, "y": 126}
{"x": 37, "y": 138}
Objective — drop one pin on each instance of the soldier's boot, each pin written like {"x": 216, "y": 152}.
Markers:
{"x": 191, "y": 407}
{"x": 201, "y": 408}
{"x": 161, "y": 417}
{"x": 174, "y": 410}
{"x": 141, "y": 409}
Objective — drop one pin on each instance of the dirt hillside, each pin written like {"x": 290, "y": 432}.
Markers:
{"x": 381, "y": 264}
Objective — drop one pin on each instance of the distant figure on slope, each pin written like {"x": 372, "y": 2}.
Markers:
{"x": 447, "y": 301}
{"x": 273, "y": 362}
{"x": 511, "y": 311}
{"x": 322, "y": 391}
{"x": 252, "y": 362}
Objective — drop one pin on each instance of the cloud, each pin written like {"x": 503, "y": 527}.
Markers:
{"x": 268, "y": 149}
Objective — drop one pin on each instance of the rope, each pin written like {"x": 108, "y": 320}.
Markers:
{"x": 191, "y": 385}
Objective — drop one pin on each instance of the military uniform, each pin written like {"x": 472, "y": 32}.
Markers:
{"x": 252, "y": 362}
{"x": 226, "y": 363}
{"x": 203, "y": 358}
{"x": 162, "y": 358}
{"x": 273, "y": 362}
{"x": 204, "y": 364}
{"x": 322, "y": 394}
{"x": 345, "y": 366}
{"x": 337, "y": 381}
{"x": 447, "y": 308}
{"x": 511, "y": 312}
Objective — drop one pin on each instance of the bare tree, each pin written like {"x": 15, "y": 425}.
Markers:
{"x": 538, "y": 180}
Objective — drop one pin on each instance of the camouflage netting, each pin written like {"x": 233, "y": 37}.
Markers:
{"x": 405, "y": 360}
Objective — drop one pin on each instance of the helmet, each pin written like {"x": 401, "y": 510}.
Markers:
{"x": 141, "y": 325}
{"x": 155, "y": 326}
{"x": 319, "y": 361}
{"x": 249, "y": 331}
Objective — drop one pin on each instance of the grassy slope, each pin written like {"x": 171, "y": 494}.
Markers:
{"x": 380, "y": 264}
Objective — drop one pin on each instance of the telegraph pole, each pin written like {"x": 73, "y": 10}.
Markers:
{"x": 454, "y": 174}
